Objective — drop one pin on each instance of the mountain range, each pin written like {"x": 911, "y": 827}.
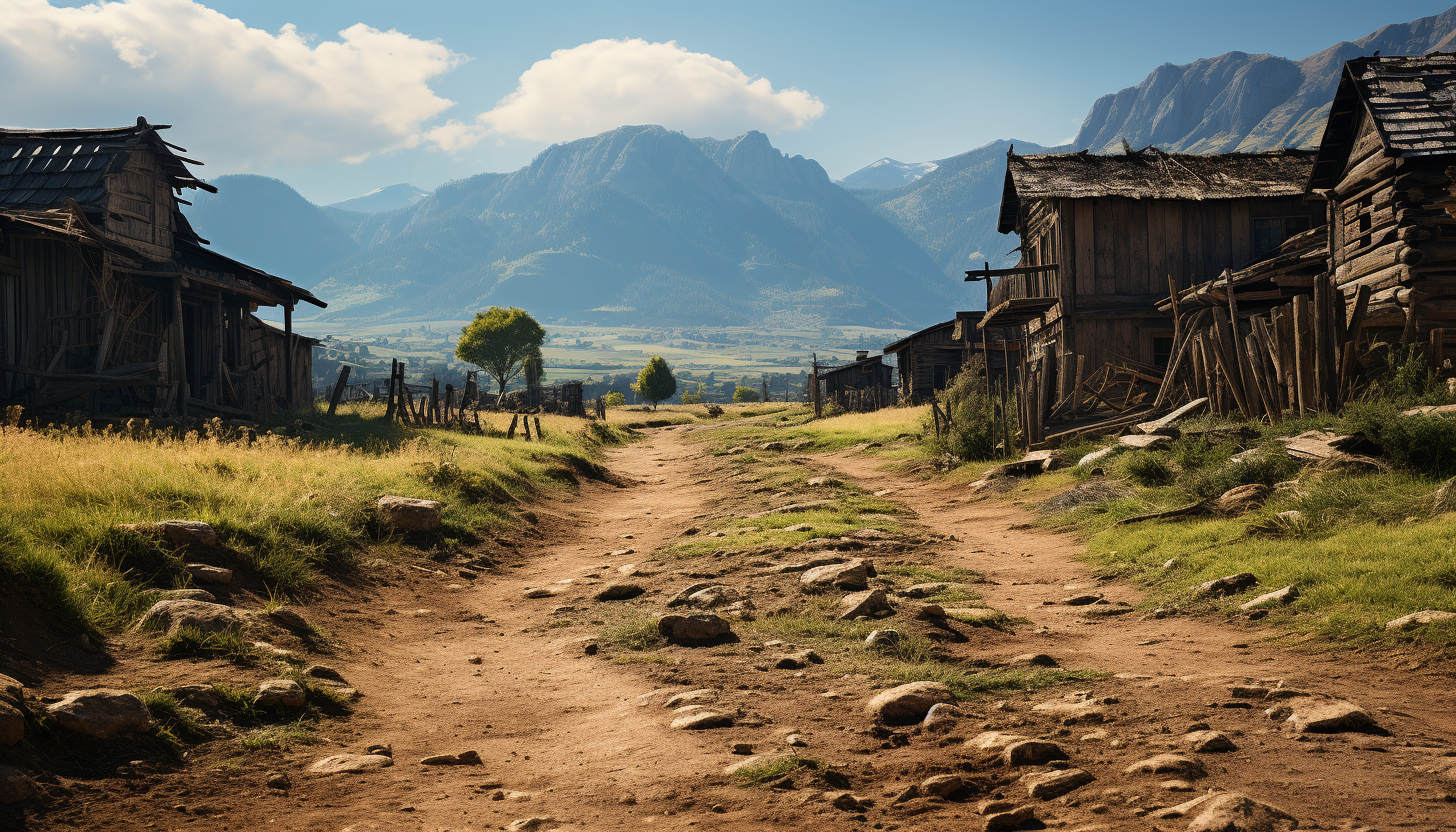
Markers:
{"x": 645, "y": 225}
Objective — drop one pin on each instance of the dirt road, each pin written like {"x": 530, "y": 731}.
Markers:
{"x": 584, "y": 742}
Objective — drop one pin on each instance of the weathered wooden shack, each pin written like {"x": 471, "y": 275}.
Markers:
{"x": 111, "y": 303}
{"x": 865, "y": 373}
{"x": 927, "y": 360}
{"x": 1104, "y": 239}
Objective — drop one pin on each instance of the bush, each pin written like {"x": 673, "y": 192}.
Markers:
{"x": 616, "y": 399}
{"x": 1424, "y": 444}
{"x": 972, "y": 434}
{"x": 695, "y": 397}
{"x": 745, "y": 394}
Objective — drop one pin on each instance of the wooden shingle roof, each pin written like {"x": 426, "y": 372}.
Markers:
{"x": 41, "y": 169}
{"x": 1151, "y": 174}
{"x": 1411, "y": 100}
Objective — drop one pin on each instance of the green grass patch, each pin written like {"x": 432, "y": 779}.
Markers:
{"x": 634, "y": 631}
{"x": 174, "y": 724}
{"x": 191, "y": 643}
{"x": 767, "y": 771}
{"x": 280, "y": 737}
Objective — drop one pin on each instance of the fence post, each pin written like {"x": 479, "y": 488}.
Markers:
{"x": 339, "y": 388}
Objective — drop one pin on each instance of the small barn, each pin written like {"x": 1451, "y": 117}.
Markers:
{"x": 927, "y": 360}
{"x": 111, "y": 304}
{"x": 866, "y": 373}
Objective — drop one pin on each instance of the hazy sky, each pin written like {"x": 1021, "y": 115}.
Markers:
{"x": 338, "y": 97}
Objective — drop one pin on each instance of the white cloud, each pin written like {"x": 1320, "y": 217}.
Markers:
{"x": 605, "y": 84}
{"x": 240, "y": 97}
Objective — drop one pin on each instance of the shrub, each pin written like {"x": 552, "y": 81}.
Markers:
{"x": 616, "y": 399}
{"x": 1148, "y": 469}
{"x": 1424, "y": 444}
{"x": 972, "y": 433}
{"x": 694, "y": 397}
{"x": 745, "y": 394}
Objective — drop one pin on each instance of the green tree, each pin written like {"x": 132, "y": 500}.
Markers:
{"x": 745, "y": 394}
{"x": 696, "y": 397}
{"x": 656, "y": 383}
{"x": 616, "y": 399}
{"x": 501, "y": 342}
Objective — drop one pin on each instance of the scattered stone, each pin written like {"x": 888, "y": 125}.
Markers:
{"x": 1241, "y": 500}
{"x": 474, "y": 659}
{"x": 918, "y": 591}
{"x": 180, "y": 595}
{"x": 1054, "y": 784}
{"x": 384, "y": 750}
{"x": 279, "y": 693}
{"x": 196, "y": 696}
{"x": 908, "y": 703}
{"x": 798, "y": 661}
{"x": 799, "y": 527}
{"x": 846, "y": 801}
{"x": 1081, "y": 600}
{"x": 1143, "y": 441}
{"x": 994, "y": 740}
{"x": 101, "y": 712}
{"x": 974, "y": 615}
{"x": 931, "y": 612}
{"x": 409, "y": 514}
{"x": 686, "y": 593}
{"x": 883, "y": 639}
{"x": 15, "y": 786}
{"x": 941, "y": 785}
{"x": 1310, "y": 715}
{"x": 351, "y": 763}
{"x": 289, "y": 619}
{"x": 1008, "y": 819}
{"x": 619, "y": 592}
{"x": 693, "y": 630}
{"x": 1032, "y": 660}
{"x": 1206, "y": 741}
{"x": 715, "y": 596}
{"x": 742, "y": 749}
{"x": 207, "y": 573}
{"x": 1176, "y": 786}
{"x": 180, "y": 533}
{"x": 1031, "y": 753}
{"x": 1078, "y": 706}
{"x": 703, "y": 720}
{"x": 1177, "y": 764}
{"x": 795, "y": 741}
{"x": 1415, "y": 619}
{"x": 942, "y": 716}
{"x": 526, "y": 824}
{"x": 1278, "y": 597}
{"x": 849, "y": 575}
{"x": 1097, "y": 456}
{"x": 280, "y": 781}
{"x": 1233, "y": 812}
{"x": 464, "y": 758}
{"x": 12, "y": 724}
{"x": 1229, "y": 584}
{"x": 869, "y": 604}
{"x": 692, "y": 697}
{"x": 772, "y": 446}
{"x": 541, "y": 592}
{"x": 822, "y": 481}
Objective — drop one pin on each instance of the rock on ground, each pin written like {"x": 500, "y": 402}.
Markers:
{"x": 279, "y": 693}
{"x": 1416, "y": 619}
{"x": 918, "y": 591}
{"x": 1054, "y": 784}
{"x": 692, "y": 696}
{"x": 1008, "y": 818}
{"x": 908, "y": 703}
{"x": 703, "y": 720}
{"x": 1205, "y": 742}
{"x": 207, "y": 573}
{"x": 101, "y": 712}
{"x": 180, "y": 595}
{"x": 181, "y": 533}
{"x": 464, "y": 758}
{"x": 883, "y": 639}
{"x": 1031, "y": 753}
{"x": 527, "y": 824}
{"x": 1278, "y": 597}
{"x": 351, "y": 764}
{"x": 869, "y": 604}
{"x": 1327, "y": 716}
{"x": 619, "y": 592}
{"x": 942, "y": 716}
{"x": 1178, "y": 764}
{"x": 1078, "y": 706}
{"x": 409, "y": 514}
{"x": 1032, "y": 660}
{"x": 851, "y": 575}
{"x": 199, "y": 615}
{"x": 1235, "y": 812}
{"x": 1229, "y": 584}
{"x": 693, "y": 630}
{"x": 942, "y": 785}
{"x": 15, "y": 786}
{"x": 289, "y": 619}
{"x": 12, "y": 724}
{"x": 1242, "y": 499}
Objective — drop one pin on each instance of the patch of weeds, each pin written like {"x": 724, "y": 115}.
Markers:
{"x": 1148, "y": 469}
{"x": 637, "y": 632}
{"x": 281, "y": 737}
{"x": 757, "y": 774}
{"x": 563, "y": 622}
{"x": 996, "y": 620}
{"x": 915, "y": 573}
{"x": 189, "y": 642}
{"x": 174, "y": 724}
{"x": 237, "y": 703}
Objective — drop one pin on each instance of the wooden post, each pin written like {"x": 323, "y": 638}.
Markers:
{"x": 179, "y": 350}
{"x": 1353, "y": 332}
{"x": 1304, "y": 355}
{"x": 434, "y": 400}
{"x": 539, "y": 434}
{"x": 449, "y": 402}
{"x": 287, "y": 354}
{"x": 339, "y": 388}
{"x": 1436, "y": 349}
{"x": 389, "y": 407}
{"x": 511, "y": 432}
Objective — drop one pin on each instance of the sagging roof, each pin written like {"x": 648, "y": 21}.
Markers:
{"x": 41, "y": 169}
{"x": 903, "y": 343}
{"x": 1289, "y": 270}
{"x": 1151, "y": 173}
{"x": 1412, "y": 101}
{"x": 860, "y": 363}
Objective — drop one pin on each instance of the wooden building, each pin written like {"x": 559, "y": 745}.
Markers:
{"x": 1102, "y": 239}
{"x": 865, "y": 373}
{"x": 930, "y": 358}
{"x": 109, "y": 301}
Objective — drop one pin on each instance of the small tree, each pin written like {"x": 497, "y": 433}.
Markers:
{"x": 745, "y": 394}
{"x": 501, "y": 342}
{"x": 616, "y": 399}
{"x": 694, "y": 398}
{"x": 656, "y": 383}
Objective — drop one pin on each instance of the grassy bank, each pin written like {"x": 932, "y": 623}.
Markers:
{"x": 288, "y": 505}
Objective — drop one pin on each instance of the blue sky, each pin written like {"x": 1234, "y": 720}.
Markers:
{"x": 851, "y": 81}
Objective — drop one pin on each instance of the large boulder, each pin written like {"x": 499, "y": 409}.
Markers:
{"x": 1176, "y": 764}
{"x": 15, "y": 786}
{"x": 1234, "y": 812}
{"x": 1241, "y": 499}
{"x": 853, "y": 574}
{"x": 12, "y": 724}
{"x": 908, "y": 703}
{"x": 101, "y": 712}
{"x": 280, "y": 693}
{"x": 1312, "y": 715}
{"x": 200, "y": 615}
{"x": 409, "y": 513}
{"x": 182, "y": 534}
{"x": 868, "y": 604}
{"x": 693, "y": 630}
{"x": 1053, "y": 784}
